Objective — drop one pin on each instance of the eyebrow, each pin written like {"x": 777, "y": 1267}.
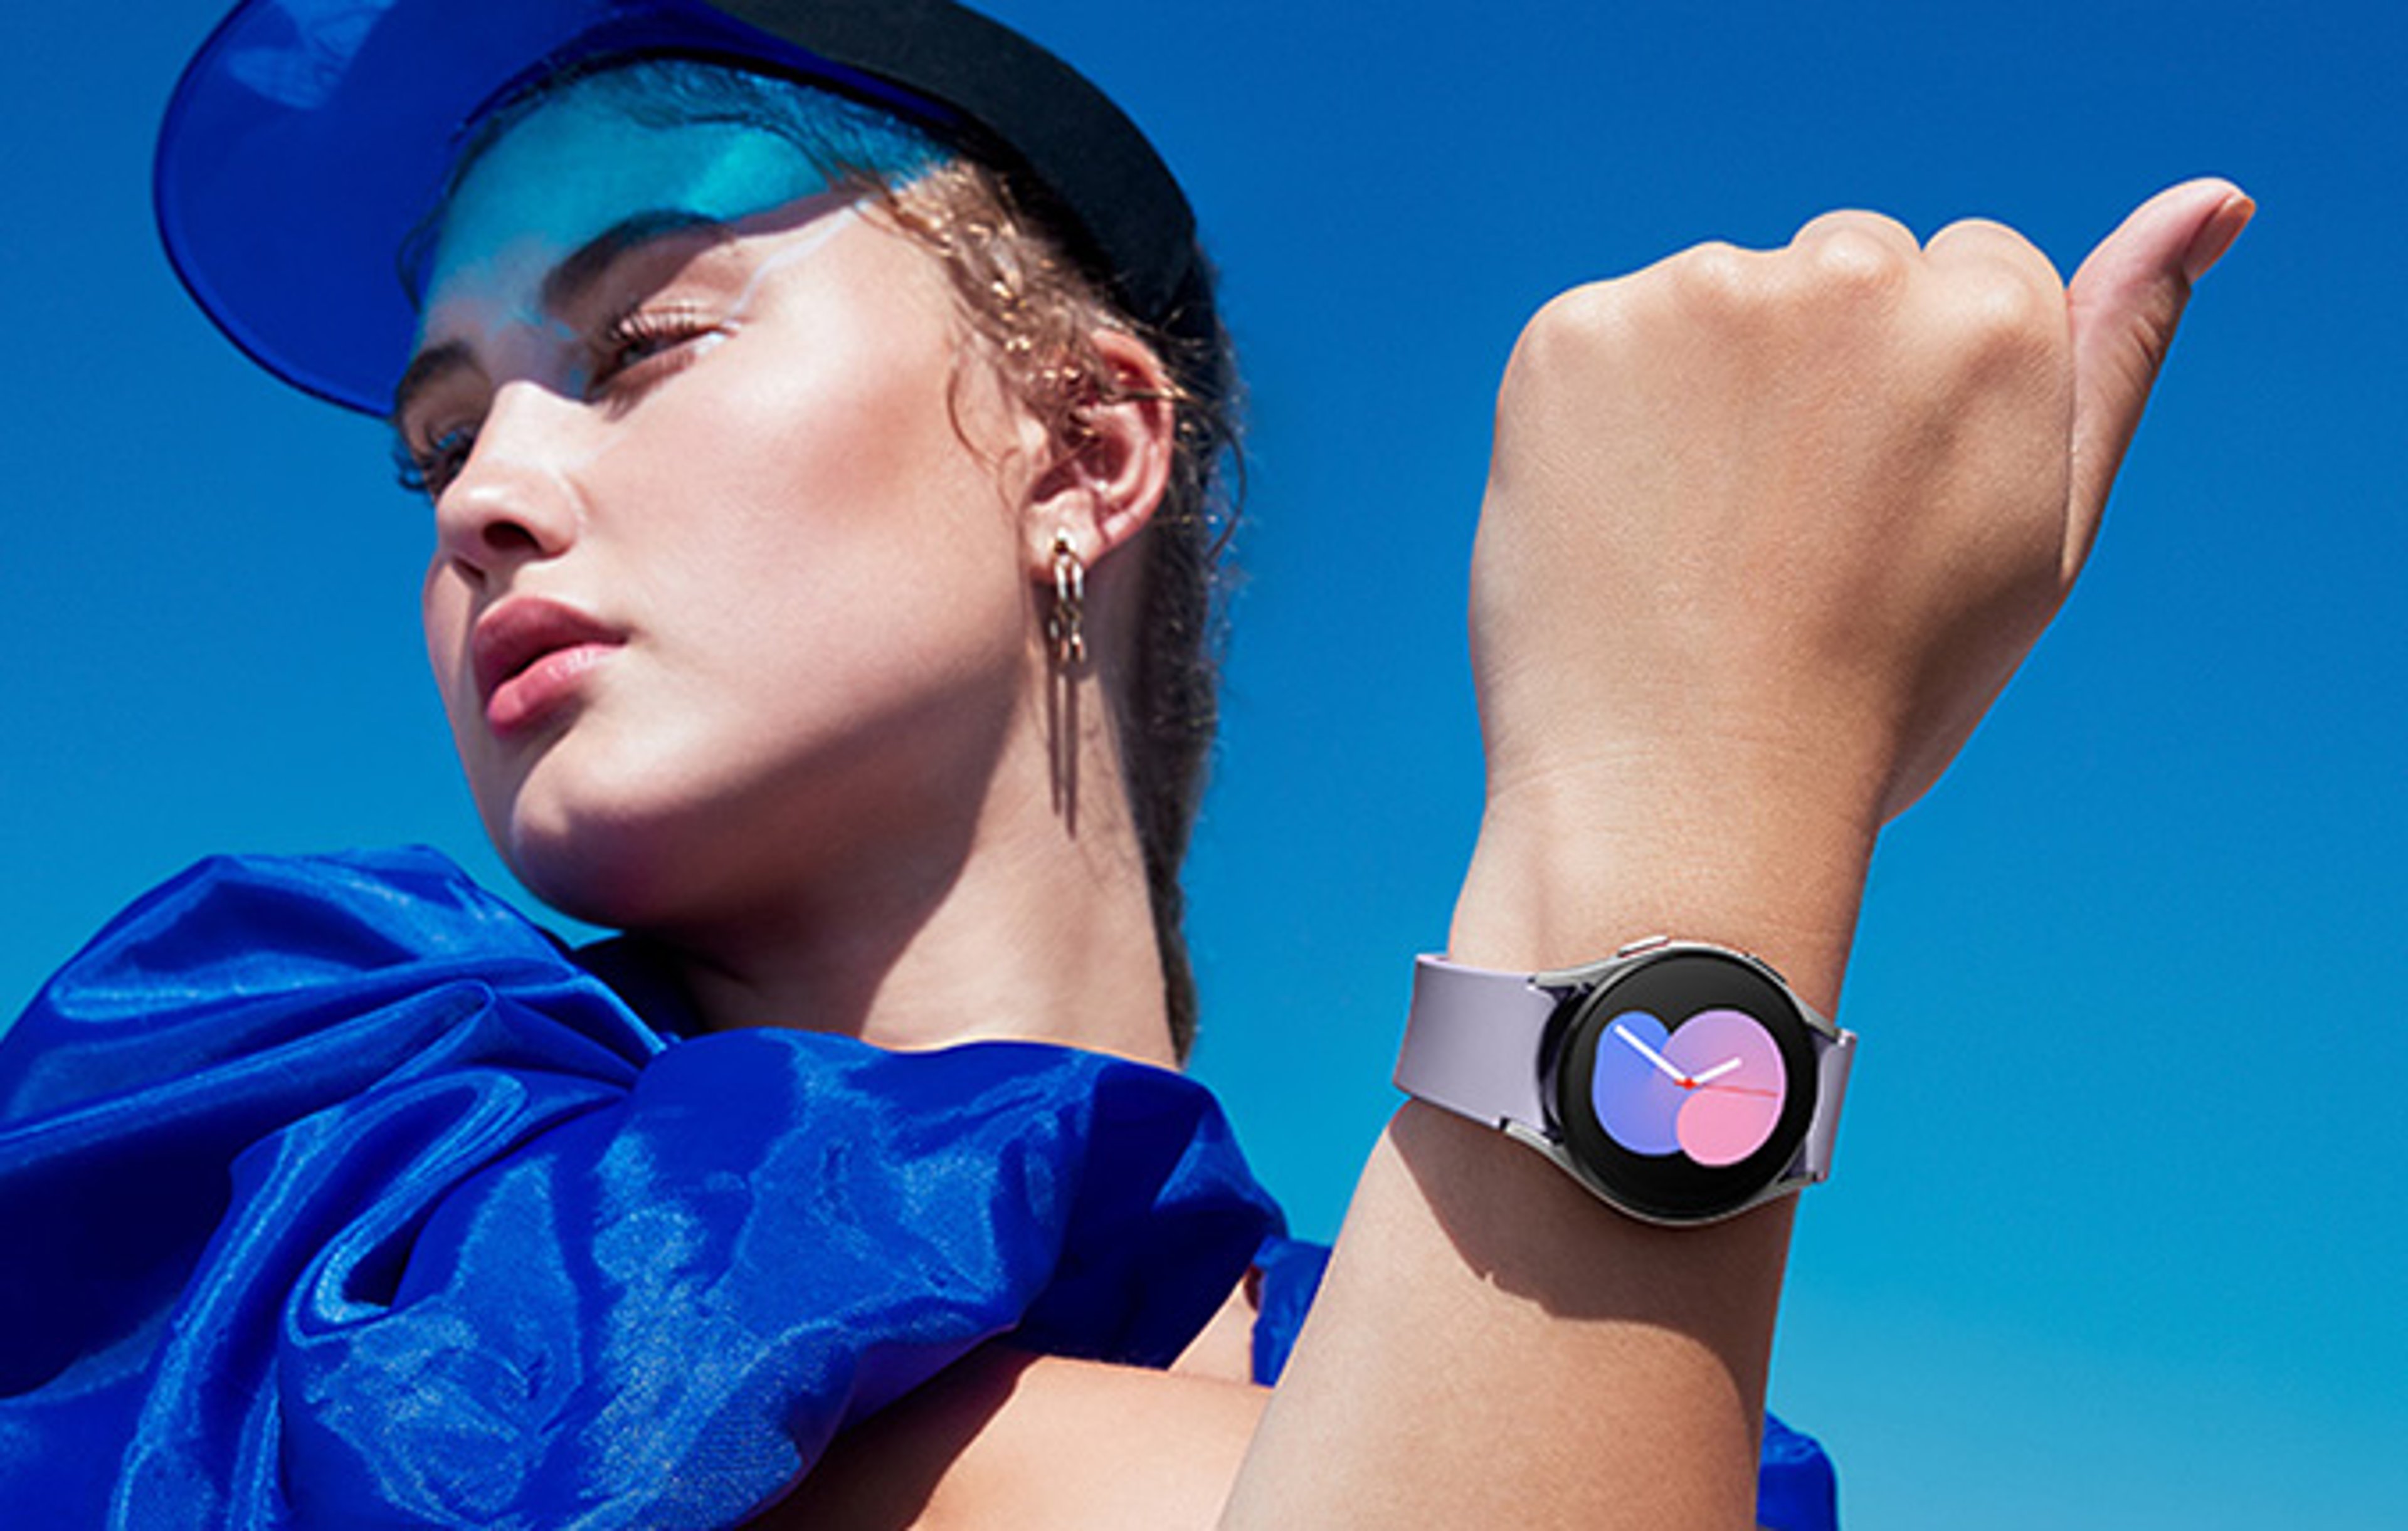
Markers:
{"x": 563, "y": 288}
{"x": 425, "y": 368}
{"x": 573, "y": 277}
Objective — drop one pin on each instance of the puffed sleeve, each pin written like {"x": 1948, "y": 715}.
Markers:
{"x": 336, "y": 1194}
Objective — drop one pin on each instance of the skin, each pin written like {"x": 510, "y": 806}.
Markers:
{"x": 820, "y": 765}
{"x": 1907, "y": 449}
{"x": 814, "y": 755}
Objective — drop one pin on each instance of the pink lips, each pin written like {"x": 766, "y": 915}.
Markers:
{"x": 531, "y": 657}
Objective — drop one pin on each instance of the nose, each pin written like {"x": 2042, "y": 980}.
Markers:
{"x": 512, "y": 501}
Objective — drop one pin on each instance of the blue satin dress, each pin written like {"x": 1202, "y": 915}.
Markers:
{"x": 337, "y": 1194}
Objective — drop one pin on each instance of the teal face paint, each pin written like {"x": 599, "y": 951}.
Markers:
{"x": 672, "y": 140}
{"x": 569, "y": 173}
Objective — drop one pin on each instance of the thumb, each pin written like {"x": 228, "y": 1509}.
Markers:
{"x": 2124, "y": 304}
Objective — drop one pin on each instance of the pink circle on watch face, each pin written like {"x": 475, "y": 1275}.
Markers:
{"x": 1712, "y": 1089}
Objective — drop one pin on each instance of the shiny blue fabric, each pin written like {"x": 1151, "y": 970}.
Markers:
{"x": 339, "y": 1195}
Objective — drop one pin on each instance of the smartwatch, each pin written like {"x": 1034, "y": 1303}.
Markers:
{"x": 1678, "y": 1082}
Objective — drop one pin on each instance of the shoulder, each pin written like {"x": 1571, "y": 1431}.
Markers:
{"x": 351, "y": 908}
{"x": 241, "y": 955}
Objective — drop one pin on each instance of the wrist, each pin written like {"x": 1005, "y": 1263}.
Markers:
{"x": 1768, "y": 858}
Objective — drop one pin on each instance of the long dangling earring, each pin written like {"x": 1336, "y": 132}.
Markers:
{"x": 1065, "y": 623}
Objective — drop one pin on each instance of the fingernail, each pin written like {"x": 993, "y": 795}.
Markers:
{"x": 2216, "y": 234}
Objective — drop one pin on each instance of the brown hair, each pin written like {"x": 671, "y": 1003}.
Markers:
{"x": 1037, "y": 312}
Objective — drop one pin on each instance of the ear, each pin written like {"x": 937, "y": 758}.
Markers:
{"x": 1106, "y": 473}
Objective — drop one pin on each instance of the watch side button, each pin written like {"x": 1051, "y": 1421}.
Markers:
{"x": 1644, "y": 943}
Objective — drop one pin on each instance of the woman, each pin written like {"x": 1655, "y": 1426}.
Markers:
{"x": 808, "y": 576}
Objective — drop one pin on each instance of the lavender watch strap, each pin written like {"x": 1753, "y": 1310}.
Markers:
{"x": 1473, "y": 1044}
{"x": 1837, "y": 1052}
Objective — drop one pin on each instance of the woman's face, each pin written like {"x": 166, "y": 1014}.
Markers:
{"x": 723, "y": 592}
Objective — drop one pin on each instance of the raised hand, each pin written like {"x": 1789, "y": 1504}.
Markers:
{"x": 1765, "y": 533}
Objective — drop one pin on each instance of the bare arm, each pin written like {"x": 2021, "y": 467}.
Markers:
{"x": 1008, "y": 1439}
{"x": 1766, "y": 534}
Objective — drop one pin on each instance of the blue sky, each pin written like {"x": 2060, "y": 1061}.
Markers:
{"x": 2116, "y": 1238}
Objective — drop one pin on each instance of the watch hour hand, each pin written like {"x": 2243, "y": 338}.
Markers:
{"x": 1652, "y": 1055}
{"x": 1717, "y": 1071}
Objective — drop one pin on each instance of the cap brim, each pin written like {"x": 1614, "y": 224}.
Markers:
{"x": 309, "y": 139}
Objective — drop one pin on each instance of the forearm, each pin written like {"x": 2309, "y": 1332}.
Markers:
{"x": 1494, "y": 1346}
{"x": 1761, "y": 849}
{"x": 1005, "y": 1439}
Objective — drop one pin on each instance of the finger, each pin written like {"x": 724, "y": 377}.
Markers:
{"x": 2124, "y": 303}
{"x": 1857, "y": 223}
{"x": 1867, "y": 246}
{"x": 1979, "y": 242}
{"x": 1999, "y": 280}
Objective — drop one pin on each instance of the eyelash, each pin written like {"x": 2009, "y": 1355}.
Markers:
{"x": 637, "y": 336}
{"x": 430, "y": 471}
{"x": 623, "y": 346}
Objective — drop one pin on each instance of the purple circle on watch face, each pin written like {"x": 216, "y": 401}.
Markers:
{"x": 1712, "y": 1089}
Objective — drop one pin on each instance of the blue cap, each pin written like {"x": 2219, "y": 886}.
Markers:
{"x": 309, "y": 139}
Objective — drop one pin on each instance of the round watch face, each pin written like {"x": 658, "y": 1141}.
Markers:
{"x": 1686, "y": 1085}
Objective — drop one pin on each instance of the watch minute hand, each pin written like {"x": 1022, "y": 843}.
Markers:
{"x": 1652, "y": 1055}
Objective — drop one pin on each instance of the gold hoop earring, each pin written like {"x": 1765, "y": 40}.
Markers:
{"x": 1065, "y": 623}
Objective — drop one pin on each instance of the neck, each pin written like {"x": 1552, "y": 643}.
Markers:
{"x": 1022, "y": 916}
